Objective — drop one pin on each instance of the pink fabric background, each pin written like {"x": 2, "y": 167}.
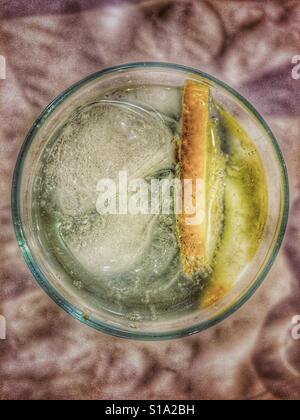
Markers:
{"x": 49, "y": 45}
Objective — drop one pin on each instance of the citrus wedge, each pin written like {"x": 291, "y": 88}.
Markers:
{"x": 191, "y": 223}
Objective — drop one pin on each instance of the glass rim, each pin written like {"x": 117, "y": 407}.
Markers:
{"x": 70, "y": 308}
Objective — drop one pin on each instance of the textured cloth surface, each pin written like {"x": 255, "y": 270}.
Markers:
{"x": 48, "y": 45}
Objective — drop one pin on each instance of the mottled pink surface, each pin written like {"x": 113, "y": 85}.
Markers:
{"x": 48, "y": 46}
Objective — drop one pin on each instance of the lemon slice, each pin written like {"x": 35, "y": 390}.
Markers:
{"x": 245, "y": 208}
{"x": 191, "y": 224}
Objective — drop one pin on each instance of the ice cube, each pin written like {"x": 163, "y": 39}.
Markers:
{"x": 108, "y": 244}
{"x": 101, "y": 140}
